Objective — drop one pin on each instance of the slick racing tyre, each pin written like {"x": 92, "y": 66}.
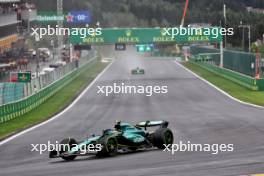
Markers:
{"x": 109, "y": 147}
{"x": 162, "y": 136}
{"x": 66, "y": 145}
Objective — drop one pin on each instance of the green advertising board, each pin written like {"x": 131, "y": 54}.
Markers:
{"x": 147, "y": 35}
{"x": 24, "y": 77}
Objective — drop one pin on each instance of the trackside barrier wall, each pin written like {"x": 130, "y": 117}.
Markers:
{"x": 244, "y": 80}
{"x": 241, "y": 62}
{"x": 260, "y": 83}
{"x": 18, "y": 108}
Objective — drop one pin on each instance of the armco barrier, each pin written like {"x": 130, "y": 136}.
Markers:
{"x": 18, "y": 108}
{"x": 236, "y": 77}
{"x": 260, "y": 83}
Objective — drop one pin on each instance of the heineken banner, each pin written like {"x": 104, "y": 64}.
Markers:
{"x": 70, "y": 17}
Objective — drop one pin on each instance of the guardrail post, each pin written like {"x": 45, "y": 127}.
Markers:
{"x": 221, "y": 54}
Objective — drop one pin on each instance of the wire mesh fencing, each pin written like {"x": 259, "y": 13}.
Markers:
{"x": 11, "y": 92}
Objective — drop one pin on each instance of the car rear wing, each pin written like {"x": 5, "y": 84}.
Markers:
{"x": 161, "y": 123}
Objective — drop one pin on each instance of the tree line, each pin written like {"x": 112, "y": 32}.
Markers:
{"x": 153, "y": 13}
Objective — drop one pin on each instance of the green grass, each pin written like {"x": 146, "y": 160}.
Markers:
{"x": 54, "y": 104}
{"x": 235, "y": 90}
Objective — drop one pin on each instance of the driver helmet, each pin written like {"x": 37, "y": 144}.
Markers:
{"x": 118, "y": 126}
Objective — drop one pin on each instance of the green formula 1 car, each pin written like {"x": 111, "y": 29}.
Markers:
{"x": 124, "y": 137}
{"x": 138, "y": 71}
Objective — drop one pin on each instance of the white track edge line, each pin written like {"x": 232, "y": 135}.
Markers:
{"x": 61, "y": 113}
{"x": 220, "y": 90}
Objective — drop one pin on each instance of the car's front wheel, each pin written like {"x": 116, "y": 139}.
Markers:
{"x": 65, "y": 146}
{"x": 109, "y": 147}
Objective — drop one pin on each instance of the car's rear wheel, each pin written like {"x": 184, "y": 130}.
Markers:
{"x": 109, "y": 147}
{"x": 162, "y": 137}
{"x": 65, "y": 146}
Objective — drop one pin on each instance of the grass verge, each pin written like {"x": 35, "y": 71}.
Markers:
{"x": 54, "y": 104}
{"x": 234, "y": 89}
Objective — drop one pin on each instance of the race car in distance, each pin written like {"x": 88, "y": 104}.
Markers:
{"x": 138, "y": 71}
{"x": 124, "y": 137}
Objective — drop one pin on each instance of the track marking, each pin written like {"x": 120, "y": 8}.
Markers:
{"x": 220, "y": 90}
{"x": 61, "y": 113}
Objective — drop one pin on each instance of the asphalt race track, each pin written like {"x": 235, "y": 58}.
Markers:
{"x": 196, "y": 111}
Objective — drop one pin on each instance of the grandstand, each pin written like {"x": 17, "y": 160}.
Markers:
{"x": 15, "y": 16}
